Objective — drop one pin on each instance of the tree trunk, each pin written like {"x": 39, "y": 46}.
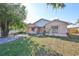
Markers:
{"x": 4, "y": 29}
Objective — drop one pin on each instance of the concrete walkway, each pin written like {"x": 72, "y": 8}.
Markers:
{"x": 9, "y": 39}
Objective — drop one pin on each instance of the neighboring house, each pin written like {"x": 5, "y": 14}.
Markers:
{"x": 73, "y": 29}
{"x": 37, "y": 27}
{"x": 56, "y": 28}
{"x": 51, "y": 28}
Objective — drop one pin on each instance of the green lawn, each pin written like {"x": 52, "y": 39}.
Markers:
{"x": 18, "y": 47}
{"x": 24, "y": 47}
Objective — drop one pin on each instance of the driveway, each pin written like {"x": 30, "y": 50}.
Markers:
{"x": 9, "y": 39}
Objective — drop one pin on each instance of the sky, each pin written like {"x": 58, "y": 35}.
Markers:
{"x": 37, "y": 11}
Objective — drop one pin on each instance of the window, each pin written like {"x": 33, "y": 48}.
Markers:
{"x": 54, "y": 29}
{"x": 33, "y": 28}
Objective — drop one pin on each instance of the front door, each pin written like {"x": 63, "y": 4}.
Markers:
{"x": 39, "y": 30}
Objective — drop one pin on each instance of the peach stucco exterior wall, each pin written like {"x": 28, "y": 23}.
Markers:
{"x": 62, "y": 27}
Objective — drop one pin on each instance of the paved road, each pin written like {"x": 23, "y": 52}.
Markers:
{"x": 9, "y": 39}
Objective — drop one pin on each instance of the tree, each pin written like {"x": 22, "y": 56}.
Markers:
{"x": 11, "y": 14}
{"x": 56, "y": 5}
{"x": 19, "y": 26}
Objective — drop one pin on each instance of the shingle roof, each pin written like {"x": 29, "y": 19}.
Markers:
{"x": 59, "y": 21}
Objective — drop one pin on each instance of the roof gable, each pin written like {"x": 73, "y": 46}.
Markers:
{"x": 61, "y": 21}
{"x": 57, "y": 20}
{"x": 41, "y": 23}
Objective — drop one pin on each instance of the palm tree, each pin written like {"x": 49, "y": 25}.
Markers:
{"x": 56, "y": 5}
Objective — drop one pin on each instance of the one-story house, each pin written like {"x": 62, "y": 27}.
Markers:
{"x": 51, "y": 28}
{"x": 56, "y": 28}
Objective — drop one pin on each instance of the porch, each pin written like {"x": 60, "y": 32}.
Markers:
{"x": 36, "y": 30}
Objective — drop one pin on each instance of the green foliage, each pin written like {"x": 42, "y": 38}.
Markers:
{"x": 10, "y": 15}
{"x": 56, "y": 5}
{"x": 12, "y": 11}
{"x": 18, "y": 25}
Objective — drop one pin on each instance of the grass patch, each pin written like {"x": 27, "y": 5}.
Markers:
{"x": 64, "y": 45}
{"x": 41, "y": 46}
{"x": 72, "y": 38}
{"x": 25, "y": 47}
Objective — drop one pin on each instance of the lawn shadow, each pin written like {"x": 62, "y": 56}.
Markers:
{"x": 71, "y": 38}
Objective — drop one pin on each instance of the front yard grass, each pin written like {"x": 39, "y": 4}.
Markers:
{"x": 25, "y": 47}
{"x": 64, "y": 45}
{"x": 41, "y": 46}
{"x": 18, "y": 47}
